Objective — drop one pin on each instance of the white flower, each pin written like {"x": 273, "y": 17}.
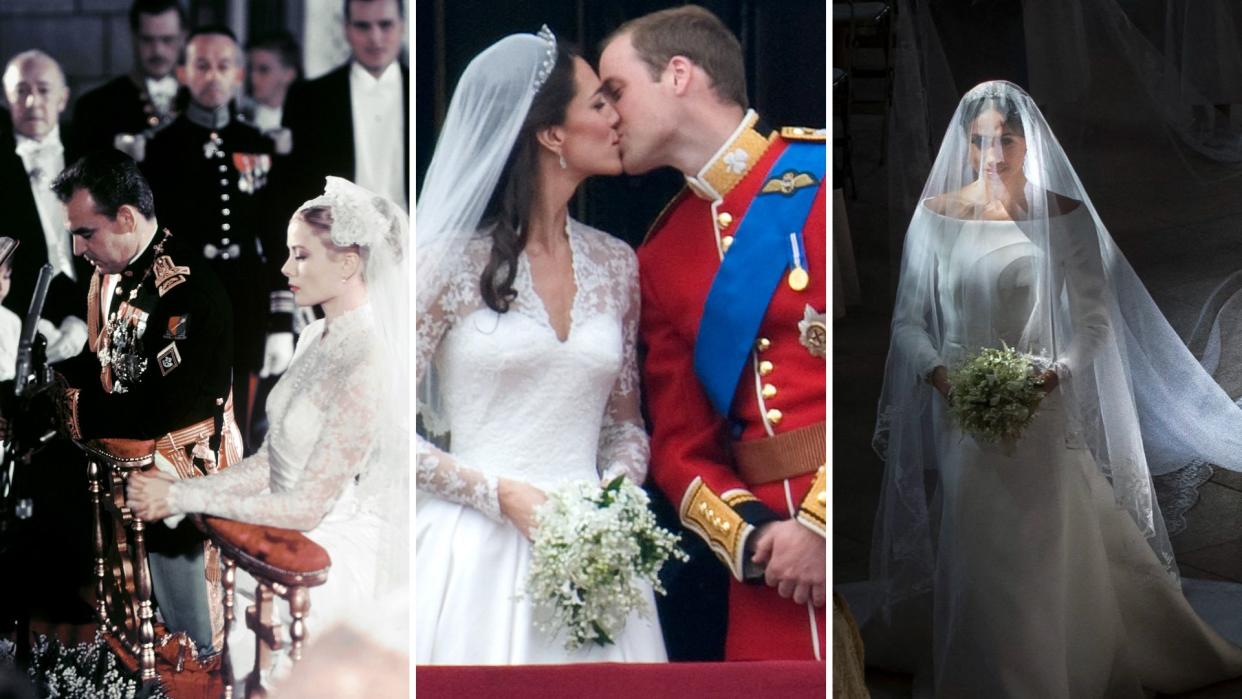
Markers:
{"x": 593, "y": 549}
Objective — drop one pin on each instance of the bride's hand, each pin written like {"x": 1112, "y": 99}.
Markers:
{"x": 940, "y": 381}
{"x": 518, "y": 502}
{"x": 148, "y": 495}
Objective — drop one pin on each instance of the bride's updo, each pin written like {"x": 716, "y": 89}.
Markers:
{"x": 508, "y": 210}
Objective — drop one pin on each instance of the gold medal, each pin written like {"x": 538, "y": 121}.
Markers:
{"x": 798, "y": 279}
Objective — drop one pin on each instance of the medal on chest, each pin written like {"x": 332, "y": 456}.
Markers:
{"x": 121, "y": 352}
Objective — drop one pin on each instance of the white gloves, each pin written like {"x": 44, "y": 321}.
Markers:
{"x": 277, "y": 354}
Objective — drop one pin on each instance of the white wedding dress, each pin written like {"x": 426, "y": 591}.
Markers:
{"x": 521, "y": 403}
{"x": 324, "y": 416}
{"x": 1044, "y": 586}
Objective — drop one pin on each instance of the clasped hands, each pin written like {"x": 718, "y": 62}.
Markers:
{"x": 794, "y": 561}
{"x": 148, "y": 495}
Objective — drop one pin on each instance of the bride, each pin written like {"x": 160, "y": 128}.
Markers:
{"x": 335, "y": 461}
{"x": 526, "y": 349}
{"x": 1039, "y": 567}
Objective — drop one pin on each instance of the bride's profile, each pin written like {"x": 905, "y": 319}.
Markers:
{"x": 527, "y": 323}
{"x": 334, "y": 464}
{"x": 1036, "y": 565}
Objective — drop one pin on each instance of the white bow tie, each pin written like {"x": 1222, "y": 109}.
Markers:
{"x": 31, "y": 150}
{"x": 164, "y": 88}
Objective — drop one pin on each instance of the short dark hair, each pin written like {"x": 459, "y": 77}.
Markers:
{"x": 156, "y": 7}
{"x": 212, "y": 30}
{"x": 112, "y": 179}
{"x": 400, "y": 7}
{"x": 283, "y": 45}
{"x": 695, "y": 33}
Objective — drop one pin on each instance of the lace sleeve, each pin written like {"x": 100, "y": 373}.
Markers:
{"x": 437, "y": 472}
{"x": 345, "y": 439}
{"x": 251, "y": 475}
{"x": 624, "y": 448}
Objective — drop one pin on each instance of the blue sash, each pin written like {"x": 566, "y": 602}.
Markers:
{"x": 751, "y": 271}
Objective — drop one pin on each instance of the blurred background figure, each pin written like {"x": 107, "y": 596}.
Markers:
{"x": 273, "y": 64}
{"x": 147, "y": 96}
{"x": 209, "y": 173}
{"x": 35, "y": 152}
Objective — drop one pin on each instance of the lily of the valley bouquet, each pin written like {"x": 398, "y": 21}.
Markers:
{"x": 594, "y": 547}
{"x": 996, "y": 393}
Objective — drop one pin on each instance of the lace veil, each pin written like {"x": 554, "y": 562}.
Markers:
{"x": 484, "y": 118}
{"x": 1056, "y": 286}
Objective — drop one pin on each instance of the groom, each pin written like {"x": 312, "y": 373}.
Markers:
{"x": 733, "y": 293}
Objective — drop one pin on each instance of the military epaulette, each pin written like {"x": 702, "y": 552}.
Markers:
{"x": 803, "y": 133}
{"x": 168, "y": 274}
{"x": 668, "y": 209}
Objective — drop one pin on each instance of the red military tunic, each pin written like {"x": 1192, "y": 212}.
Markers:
{"x": 778, "y": 410}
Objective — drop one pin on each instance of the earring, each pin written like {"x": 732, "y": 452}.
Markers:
{"x": 563, "y": 163}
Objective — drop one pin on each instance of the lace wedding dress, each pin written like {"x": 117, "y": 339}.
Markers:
{"x": 323, "y": 415}
{"x": 1044, "y": 586}
{"x": 521, "y": 403}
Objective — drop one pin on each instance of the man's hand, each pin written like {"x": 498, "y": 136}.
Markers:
{"x": 277, "y": 353}
{"x": 795, "y": 560}
{"x": 148, "y": 495}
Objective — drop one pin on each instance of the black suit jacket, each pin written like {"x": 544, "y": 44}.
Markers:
{"x": 65, "y": 297}
{"x": 120, "y": 105}
{"x": 319, "y": 114}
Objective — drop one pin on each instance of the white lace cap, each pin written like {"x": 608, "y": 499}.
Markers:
{"x": 355, "y": 218}
{"x": 549, "y": 58}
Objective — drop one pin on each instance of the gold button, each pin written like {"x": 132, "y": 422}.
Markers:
{"x": 765, "y": 368}
{"x": 822, "y": 497}
{"x": 725, "y": 243}
{"x": 724, "y": 218}
{"x": 774, "y": 416}
{"x": 769, "y": 391}
{"x": 763, "y": 344}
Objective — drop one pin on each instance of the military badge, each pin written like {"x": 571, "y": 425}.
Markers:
{"x": 813, "y": 332}
{"x": 168, "y": 274}
{"x": 168, "y": 359}
{"x": 788, "y": 183}
{"x": 252, "y": 170}
{"x": 178, "y": 328}
{"x": 122, "y": 352}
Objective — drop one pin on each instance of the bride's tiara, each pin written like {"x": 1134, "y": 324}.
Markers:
{"x": 549, "y": 57}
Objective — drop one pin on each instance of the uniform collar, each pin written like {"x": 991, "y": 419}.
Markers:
{"x": 214, "y": 119}
{"x": 732, "y": 162}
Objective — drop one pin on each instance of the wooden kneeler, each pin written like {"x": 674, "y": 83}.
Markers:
{"x": 122, "y": 578}
{"x": 285, "y": 564}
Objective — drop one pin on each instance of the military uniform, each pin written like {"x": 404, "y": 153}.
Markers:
{"x": 209, "y": 175}
{"x": 119, "y": 106}
{"x": 735, "y": 370}
{"x": 158, "y": 369}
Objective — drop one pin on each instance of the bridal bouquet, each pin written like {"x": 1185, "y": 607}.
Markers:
{"x": 996, "y": 393}
{"x": 593, "y": 547}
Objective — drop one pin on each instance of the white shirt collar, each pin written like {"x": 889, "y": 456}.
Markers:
{"x": 391, "y": 75}
{"x": 25, "y": 144}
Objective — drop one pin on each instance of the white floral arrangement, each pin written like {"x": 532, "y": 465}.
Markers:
{"x": 996, "y": 393}
{"x": 593, "y": 548}
{"x": 81, "y": 671}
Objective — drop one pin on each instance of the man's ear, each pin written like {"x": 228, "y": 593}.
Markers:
{"x": 552, "y": 138}
{"x": 127, "y": 216}
{"x": 680, "y": 68}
